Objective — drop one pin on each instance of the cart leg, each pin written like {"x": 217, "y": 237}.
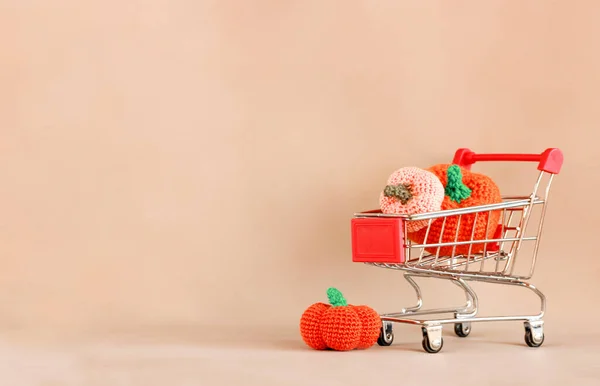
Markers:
{"x": 539, "y": 293}
{"x": 534, "y": 327}
{"x": 470, "y": 308}
{"x": 463, "y": 329}
{"x": 417, "y": 289}
{"x": 467, "y": 310}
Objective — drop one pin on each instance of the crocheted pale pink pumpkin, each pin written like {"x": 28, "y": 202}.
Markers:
{"x": 412, "y": 190}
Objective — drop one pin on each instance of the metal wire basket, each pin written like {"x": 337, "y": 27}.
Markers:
{"x": 380, "y": 240}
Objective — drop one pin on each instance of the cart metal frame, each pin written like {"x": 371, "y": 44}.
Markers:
{"x": 495, "y": 264}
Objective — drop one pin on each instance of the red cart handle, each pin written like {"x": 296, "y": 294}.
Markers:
{"x": 549, "y": 161}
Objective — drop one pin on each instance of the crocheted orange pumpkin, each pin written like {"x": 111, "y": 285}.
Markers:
{"x": 339, "y": 326}
{"x": 412, "y": 190}
{"x": 463, "y": 188}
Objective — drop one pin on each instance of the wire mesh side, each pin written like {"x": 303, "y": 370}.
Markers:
{"x": 505, "y": 248}
{"x": 480, "y": 254}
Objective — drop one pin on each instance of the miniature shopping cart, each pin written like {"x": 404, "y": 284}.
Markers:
{"x": 508, "y": 258}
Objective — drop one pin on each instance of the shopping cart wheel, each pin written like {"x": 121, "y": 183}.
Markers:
{"x": 386, "y": 335}
{"x": 432, "y": 339}
{"x": 462, "y": 329}
{"x": 534, "y": 333}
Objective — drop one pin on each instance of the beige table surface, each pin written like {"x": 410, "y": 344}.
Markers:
{"x": 494, "y": 354}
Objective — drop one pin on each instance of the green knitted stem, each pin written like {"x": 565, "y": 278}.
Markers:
{"x": 336, "y": 298}
{"x": 455, "y": 189}
{"x": 401, "y": 192}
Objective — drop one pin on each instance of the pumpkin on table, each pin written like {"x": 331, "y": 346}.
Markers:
{"x": 338, "y": 325}
{"x": 463, "y": 188}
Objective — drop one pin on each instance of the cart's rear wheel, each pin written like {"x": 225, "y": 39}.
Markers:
{"x": 386, "y": 335}
{"x": 432, "y": 339}
{"x": 534, "y": 334}
{"x": 462, "y": 329}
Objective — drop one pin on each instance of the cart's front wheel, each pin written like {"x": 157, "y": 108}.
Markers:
{"x": 462, "y": 329}
{"x": 534, "y": 334}
{"x": 386, "y": 335}
{"x": 432, "y": 339}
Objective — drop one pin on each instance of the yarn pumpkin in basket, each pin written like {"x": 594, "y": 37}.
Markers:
{"x": 412, "y": 190}
{"x": 338, "y": 325}
{"x": 463, "y": 188}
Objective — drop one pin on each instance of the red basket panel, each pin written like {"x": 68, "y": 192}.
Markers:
{"x": 377, "y": 240}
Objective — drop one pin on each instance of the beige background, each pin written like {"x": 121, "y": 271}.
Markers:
{"x": 185, "y": 171}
